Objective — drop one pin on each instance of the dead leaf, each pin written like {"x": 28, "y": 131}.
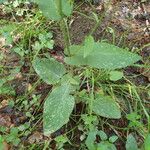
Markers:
{"x": 2, "y": 41}
{"x": 29, "y": 86}
{"x": 35, "y": 137}
{"x": 6, "y": 146}
{"x": 4, "y": 103}
{"x": 5, "y": 120}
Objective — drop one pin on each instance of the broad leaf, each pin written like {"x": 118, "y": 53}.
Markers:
{"x": 67, "y": 7}
{"x": 106, "y": 107}
{"x": 131, "y": 143}
{"x": 57, "y": 109}
{"x": 2, "y": 1}
{"x": 49, "y": 9}
{"x": 147, "y": 143}
{"x": 88, "y": 45}
{"x": 103, "y": 56}
{"x": 49, "y": 70}
{"x": 55, "y": 9}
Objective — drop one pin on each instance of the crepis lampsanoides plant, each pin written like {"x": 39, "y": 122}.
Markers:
{"x": 60, "y": 103}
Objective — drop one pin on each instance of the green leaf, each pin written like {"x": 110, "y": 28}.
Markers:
{"x": 55, "y": 9}
{"x": 90, "y": 140}
{"x": 131, "y": 143}
{"x": 88, "y": 45}
{"x": 2, "y": 1}
{"x": 8, "y": 37}
{"x": 105, "y": 145}
{"x": 1, "y": 143}
{"x": 102, "y": 135}
{"x": 49, "y": 70}
{"x": 116, "y": 75}
{"x": 7, "y": 89}
{"x": 49, "y": 9}
{"x": 67, "y": 7}
{"x": 106, "y": 107}
{"x": 113, "y": 138}
{"x": 57, "y": 108}
{"x": 19, "y": 51}
{"x": 147, "y": 143}
{"x": 103, "y": 56}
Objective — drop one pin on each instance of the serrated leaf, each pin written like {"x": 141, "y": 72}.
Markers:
{"x": 49, "y": 70}
{"x": 103, "y": 56}
{"x": 106, "y": 107}
{"x": 55, "y": 9}
{"x": 147, "y": 143}
{"x": 131, "y": 143}
{"x": 57, "y": 109}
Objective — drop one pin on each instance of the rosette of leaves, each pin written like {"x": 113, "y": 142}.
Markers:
{"x": 60, "y": 102}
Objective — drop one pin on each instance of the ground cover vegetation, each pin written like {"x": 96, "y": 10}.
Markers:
{"x": 74, "y": 75}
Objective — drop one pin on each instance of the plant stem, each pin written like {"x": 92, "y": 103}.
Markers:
{"x": 65, "y": 31}
{"x": 91, "y": 99}
{"x": 96, "y": 25}
{"x": 64, "y": 28}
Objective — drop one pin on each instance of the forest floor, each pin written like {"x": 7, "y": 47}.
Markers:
{"x": 125, "y": 24}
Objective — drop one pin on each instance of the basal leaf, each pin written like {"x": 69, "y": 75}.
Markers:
{"x": 57, "y": 109}
{"x": 103, "y": 56}
{"x": 147, "y": 143}
{"x": 106, "y": 107}
{"x": 49, "y": 70}
{"x": 131, "y": 143}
